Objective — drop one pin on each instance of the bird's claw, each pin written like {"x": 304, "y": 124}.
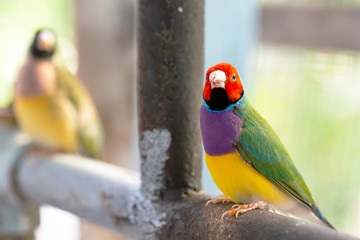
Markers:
{"x": 219, "y": 199}
{"x": 237, "y": 209}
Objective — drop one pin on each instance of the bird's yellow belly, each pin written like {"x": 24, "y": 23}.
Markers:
{"x": 241, "y": 182}
{"x": 51, "y": 123}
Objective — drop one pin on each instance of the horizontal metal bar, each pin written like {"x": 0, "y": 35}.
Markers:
{"x": 190, "y": 219}
{"x": 110, "y": 196}
{"x": 96, "y": 191}
{"x": 17, "y": 220}
{"x": 311, "y": 26}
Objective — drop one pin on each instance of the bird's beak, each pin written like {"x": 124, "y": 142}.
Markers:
{"x": 217, "y": 79}
{"x": 46, "y": 41}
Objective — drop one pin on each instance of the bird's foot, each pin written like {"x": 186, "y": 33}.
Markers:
{"x": 39, "y": 150}
{"x": 237, "y": 209}
{"x": 219, "y": 199}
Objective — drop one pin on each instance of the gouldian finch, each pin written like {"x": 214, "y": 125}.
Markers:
{"x": 51, "y": 105}
{"x": 245, "y": 157}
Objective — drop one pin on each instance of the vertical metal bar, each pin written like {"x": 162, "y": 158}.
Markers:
{"x": 18, "y": 218}
{"x": 170, "y": 77}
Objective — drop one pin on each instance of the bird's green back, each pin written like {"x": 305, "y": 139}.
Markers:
{"x": 260, "y": 147}
{"x": 90, "y": 133}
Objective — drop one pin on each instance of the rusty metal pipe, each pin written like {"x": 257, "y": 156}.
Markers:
{"x": 170, "y": 38}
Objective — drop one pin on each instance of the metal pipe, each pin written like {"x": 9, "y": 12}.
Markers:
{"x": 170, "y": 76}
{"x": 17, "y": 218}
{"x": 109, "y": 196}
{"x": 96, "y": 191}
{"x": 190, "y": 219}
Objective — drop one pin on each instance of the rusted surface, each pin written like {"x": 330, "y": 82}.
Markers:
{"x": 170, "y": 77}
{"x": 190, "y": 219}
{"x": 109, "y": 196}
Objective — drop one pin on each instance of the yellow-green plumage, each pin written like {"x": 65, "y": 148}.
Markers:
{"x": 48, "y": 122}
{"x": 242, "y": 183}
{"x": 54, "y": 108}
{"x": 89, "y": 130}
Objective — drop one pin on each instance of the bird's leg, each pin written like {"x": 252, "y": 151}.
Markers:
{"x": 219, "y": 199}
{"x": 39, "y": 150}
{"x": 237, "y": 209}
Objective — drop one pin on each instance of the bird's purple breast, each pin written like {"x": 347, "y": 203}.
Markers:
{"x": 219, "y": 131}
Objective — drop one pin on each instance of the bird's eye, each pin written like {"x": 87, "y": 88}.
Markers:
{"x": 234, "y": 77}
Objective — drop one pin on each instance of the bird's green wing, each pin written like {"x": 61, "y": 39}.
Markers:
{"x": 260, "y": 147}
{"x": 90, "y": 134}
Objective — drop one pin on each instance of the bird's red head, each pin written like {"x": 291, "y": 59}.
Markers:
{"x": 223, "y": 76}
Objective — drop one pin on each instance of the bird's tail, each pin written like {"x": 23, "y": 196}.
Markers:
{"x": 322, "y": 218}
{"x": 308, "y": 212}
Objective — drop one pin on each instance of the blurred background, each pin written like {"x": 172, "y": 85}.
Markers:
{"x": 299, "y": 60}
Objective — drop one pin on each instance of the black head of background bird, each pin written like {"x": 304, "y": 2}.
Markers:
{"x": 43, "y": 45}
